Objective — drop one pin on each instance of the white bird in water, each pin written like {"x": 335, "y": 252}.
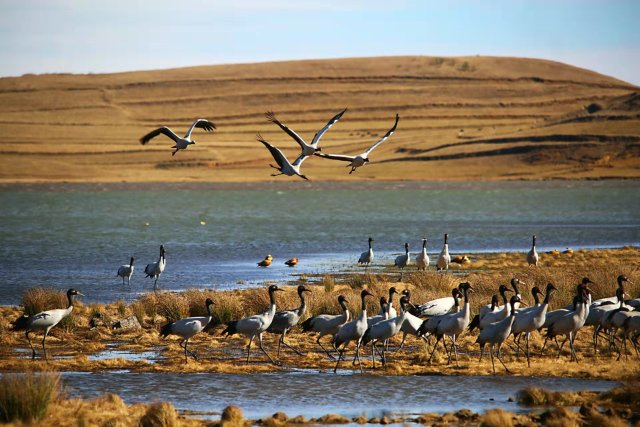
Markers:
{"x": 187, "y": 328}
{"x": 253, "y": 326}
{"x": 532, "y": 255}
{"x": 366, "y": 257}
{"x": 422, "y": 260}
{"x": 307, "y": 149}
{"x": 155, "y": 269}
{"x": 126, "y": 271}
{"x": 284, "y": 165}
{"x": 44, "y": 321}
{"x": 444, "y": 259}
{"x": 363, "y": 158}
{"x": 181, "y": 143}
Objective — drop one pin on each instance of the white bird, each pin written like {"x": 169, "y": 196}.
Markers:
{"x": 384, "y": 330}
{"x": 327, "y": 324}
{"x": 531, "y": 319}
{"x": 402, "y": 261}
{"x": 570, "y": 323}
{"x": 155, "y": 269}
{"x": 307, "y": 149}
{"x": 284, "y": 166}
{"x": 44, "y": 321}
{"x": 444, "y": 259}
{"x": 621, "y": 279}
{"x": 422, "y": 260}
{"x": 254, "y": 326}
{"x": 352, "y": 331}
{"x": 391, "y": 312}
{"x": 187, "y": 328}
{"x": 454, "y": 324}
{"x": 436, "y": 307}
{"x": 501, "y": 313}
{"x": 126, "y": 271}
{"x": 532, "y": 255}
{"x": 411, "y": 323}
{"x": 430, "y": 326}
{"x": 366, "y": 257}
{"x": 284, "y": 320}
{"x": 497, "y": 333}
{"x": 363, "y": 158}
{"x": 181, "y": 143}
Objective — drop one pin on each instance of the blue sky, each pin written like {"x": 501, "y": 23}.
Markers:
{"x": 123, "y": 35}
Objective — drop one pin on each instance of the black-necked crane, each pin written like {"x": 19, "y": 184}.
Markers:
{"x": 327, "y": 324}
{"x": 531, "y": 319}
{"x": 631, "y": 329}
{"x": 597, "y": 316}
{"x": 307, "y": 149}
{"x": 429, "y": 326}
{"x": 254, "y": 326}
{"x": 453, "y": 324}
{"x": 444, "y": 259}
{"x": 492, "y": 315}
{"x": 436, "y": 307}
{"x": 402, "y": 261}
{"x": 621, "y": 280}
{"x": 125, "y": 271}
{"x": 422, "y": 260}
{"x": 411, "y": 323}
{"x": 383, "y": 314}
{"x": 361, "y": 159}
{"x": 366, "y": 257}
{"x": 155, "y": 269}
{"x": 497, "y": 333}
{"x": 285, "y": 167}
{"x": 532, "y": 255}
{"x": 569, "y": 324}
{"x": 284, "y": 320}
{"x": 44, "y": 321}
{"x": 187, "y": 328}
{"x": 181, "y": 143}
{"x": 352, "y": 331}
{"x": 384, "y": 330}
{"x": 392, "y": 312}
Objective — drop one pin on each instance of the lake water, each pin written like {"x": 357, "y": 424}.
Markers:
{"x": 314, "y": 394}
{"x": 78, "y": 235}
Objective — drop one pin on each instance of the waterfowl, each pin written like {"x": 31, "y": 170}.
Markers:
{"x": 284, "y": 320}
{"x": 402, "y": 261}
{"x": 327, "y": 324}
{"x": 44, "y": 321}
{"x": 444, "y": 258}
{"x": 422, "y": 260}
{"x": 384, "y": 330}
{"x": 284, "y": 166}
{"x": 352, "y": 331}
{"x": 361, "y": 159}
{"x": 187, "y": 328}
{"x": 532, "y": 255}
{"x": 155, "y": 269}
{"x": 292, "y": 262}
{"x": 254, "y": 326}
{"x": 366, "y": 257}
{"x": 461, "y": 259}
{"x": 497, "y": 333}
{"x": 181, "y": 143}
{"x": 126, "y": 270}
{"x": 266, "y": 262}
{"x": 307, "y": 149}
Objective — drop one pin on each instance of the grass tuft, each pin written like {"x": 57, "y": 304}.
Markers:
{"x": 26, "y": 397}
{"x": 160, "y": 415}
{"x": 497, "y": 418}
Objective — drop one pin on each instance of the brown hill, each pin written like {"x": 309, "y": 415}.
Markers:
{"x": 460, "y": 118}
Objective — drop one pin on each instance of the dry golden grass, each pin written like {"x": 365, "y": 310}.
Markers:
{"x": 497, "y": 418}
{"x": 26, "y": 397}
{"x": 460, "y": 119}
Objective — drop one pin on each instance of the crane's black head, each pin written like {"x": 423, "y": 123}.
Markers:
{"x": 365, "y": 293}
{"x": 494, "y": 300}
{"x": 406, "y": 246}
{"x": 392, "y": 290}
{"x": 370, "y": 239}
{"x": 404, "y": 301}
{"x": 162, "y": 250}
{"x": 455, "y": 293}
{"x": 513, "y": 301}
{"x": 623, "y": 278}
{"x": 586, "y": 281}
{"x": 131, "y": 261}
{"x": 73, "y": 292}
{"x": 383, "y": 301}
{"x": 446, "y": 238}
{"x": 465, "y": 286}
{"x": 302, "y": 289}
{"x": 551, "y": 288}
{"x": 503, "y": 289}
{"x": 514, "y": 284}
{"x": 407, "y": 293}
{"x": 342, "y": 299}
{"x": 274, "y": 288}
{"x": 209, "y": 302}
{"x": 366, "y": 160}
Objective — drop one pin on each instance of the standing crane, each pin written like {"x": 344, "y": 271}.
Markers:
{"x": 352, "y": 331}
{"x": 283, "y": 321}
{"x": 327, "y": 324}
{"x": 497, "y": 333}
{"x": 187, "y": 328}
{"x": 155, "y": 269}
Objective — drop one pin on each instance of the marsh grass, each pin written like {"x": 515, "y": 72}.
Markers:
{"x": 26, "y": 397}
{"x": 497, "y": 418}
{"x": 534, "y": 396}
{"x": 160, "y": 415}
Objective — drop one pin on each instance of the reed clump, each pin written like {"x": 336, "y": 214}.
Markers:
{"x": 26, "y": 397}
{"x": 160, "y": 415}
{"x": 534, "y": 396}
{"x": 497, "y": 418}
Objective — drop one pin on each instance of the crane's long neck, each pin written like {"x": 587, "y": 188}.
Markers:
{"x": 69, "y": 302}
{"x": 390, "y": 305}
{"x": 370, "y": 245}
{"x": 507, "y": 305}
{"x": 345, "y": 311}
{"x": 537, "y": 299}
{"x": 363, "y": 313}
{"x": 272, "y": 300}
{"x": 131, "y": 262}
{"x": 467, "y": 307}
{"x": 533, "y": 245}
{"x": 303, "y": 305}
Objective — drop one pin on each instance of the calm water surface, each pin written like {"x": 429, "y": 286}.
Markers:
{"x": 314, "y": 394}
{"x": 78, "y": 235}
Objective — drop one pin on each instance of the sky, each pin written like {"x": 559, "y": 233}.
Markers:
{"x": 84, "y": 36}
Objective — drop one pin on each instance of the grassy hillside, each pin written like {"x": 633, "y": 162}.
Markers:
{"x": 460, "y": 118}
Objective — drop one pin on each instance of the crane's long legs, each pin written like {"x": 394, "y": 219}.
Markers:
{"x": 44, "y": 348}
{"x": 340, "y": 354}
{"x": 33, "y": 350}
{"x": 500, "y": 359}
{"x": 325, "y": 350}
{"x": 281, "y": 341}
{"x": 435, "y": 347}
{"x": 455, "y": 350}
{"x": 526, "y": 337}
{"x": 249, "y": 347}
{"x": 191, "y": 353}
{"x": 263, "y": 350}
{"x": 481, "y": 352}
{"x": 491, "y": 354}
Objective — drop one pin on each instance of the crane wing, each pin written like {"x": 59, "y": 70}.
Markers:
{"x": 202, "y": 124}
{"x": 301, "y": 158}
{"x": 334, "y": 119}
{"x": 275, "y": 152}
{"x": 272, "y": 118}
{"x": 383, "y": 139}
{"x": 340, "y": 157}
{"x": 162, "y": 130}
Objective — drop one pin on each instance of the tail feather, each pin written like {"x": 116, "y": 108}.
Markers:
{"x": 475, "y": 323}
{"x": 20, "y": 324}
{"x": 307, "y": 325}
{"x": 366, "y": 338}
{"x": 423, "y": 328}
{"x": 166, "y": 330}
{"x": 231, "y": 328}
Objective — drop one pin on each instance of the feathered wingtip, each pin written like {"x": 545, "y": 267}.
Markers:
{"x": 165, "y": 330}
{"x": 271, "y": 116}
{"x": 307, "y": 325}
{"x": 475, "y": 323}
{"x": 366, "y": 338}
{"x": 231, "y": 328}
{"x": 20, "y": 324}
